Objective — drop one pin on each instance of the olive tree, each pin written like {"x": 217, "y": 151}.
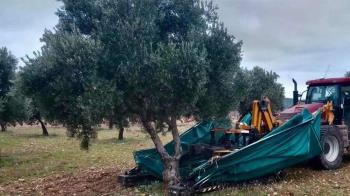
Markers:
{"x": 166, "y": 59}
{"x": 13, "y": 109}
{"x": 34, "y": 116}
{"x": 226, "y": 85}
{"x": 12, "y": 103}
{"x": 117, "y": 113}
{"x": 62, "y": 81}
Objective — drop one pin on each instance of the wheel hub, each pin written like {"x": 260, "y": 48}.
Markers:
{"x": 331, "y": 148}
{"x": 326, "y": 148}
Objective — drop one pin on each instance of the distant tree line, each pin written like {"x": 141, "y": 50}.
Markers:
{"x": 260, "y": 82}
{"x": 132, "y": 60}
{"x": 15, "y": 106}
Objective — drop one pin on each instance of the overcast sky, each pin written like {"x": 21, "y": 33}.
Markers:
{"x": 304, "y": 39}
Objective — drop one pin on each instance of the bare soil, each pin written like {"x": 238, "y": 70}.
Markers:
{"x": 301, "y": 180}
{"x": 94, "y": 181}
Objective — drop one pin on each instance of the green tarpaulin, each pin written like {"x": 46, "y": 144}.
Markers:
{"x": 295, "y": 141}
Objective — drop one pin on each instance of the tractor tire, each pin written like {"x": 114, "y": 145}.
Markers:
{"x": 333, "y": 148}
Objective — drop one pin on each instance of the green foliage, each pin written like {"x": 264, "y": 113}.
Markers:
{"x": 347, "y": 74}
{"x": 225, "y": 84}
{"x": 14, "y": 108}
{"x": 62, "y": 81}
{"x": 170, "y": 83}
{"x": 80, "y": 14}
{"x": 144, "y": 40}
{"x": 262, "y": 83}
{"x": 118, "y": 27}
{"x": 12, "y": 102}
{"x": 8, "y": 65}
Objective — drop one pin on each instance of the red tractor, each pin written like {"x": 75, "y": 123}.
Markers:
{"x": 332, "y": 95}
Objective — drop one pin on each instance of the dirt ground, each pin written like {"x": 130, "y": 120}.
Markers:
{"x": 94, "y": 181}
{"x": 301, "y": 180}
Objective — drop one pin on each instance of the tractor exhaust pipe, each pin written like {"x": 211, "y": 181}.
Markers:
{"x": 295, "y": 93}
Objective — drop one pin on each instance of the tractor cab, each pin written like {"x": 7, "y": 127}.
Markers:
{"x": 331, "y": 93}
{"x": 334, "y": 90}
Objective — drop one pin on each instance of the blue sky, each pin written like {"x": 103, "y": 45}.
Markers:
{"x": 304, "y": 40}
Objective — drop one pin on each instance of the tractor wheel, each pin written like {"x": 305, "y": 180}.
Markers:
{"x": 333, "y": 148}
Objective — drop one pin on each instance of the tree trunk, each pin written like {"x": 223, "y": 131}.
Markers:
{"x": 174, "y": 162}
{"x": 71, "y": 131}
{"x": 110, "y": 124}
{"x": 176, "y": 137}
{"x": 121, "y": 131}
{"x": 3, "y": 127}
{"x": 171, "y": 174}
{"x": 85, "y": 140}
{"x": 43, "y": 127}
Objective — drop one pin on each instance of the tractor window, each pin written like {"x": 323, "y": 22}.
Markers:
{"x": 345, "y": 92}
{"x": 323, "y": 93}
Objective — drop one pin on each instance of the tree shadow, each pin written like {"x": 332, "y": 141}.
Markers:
{"x": 23, "y": 135}
{"x": 346, "y": 159}
{"x": 116, "y": 141}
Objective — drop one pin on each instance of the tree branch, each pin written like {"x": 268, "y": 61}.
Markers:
{"x": 156, "y": 140}
{"x": 176, "y": 138}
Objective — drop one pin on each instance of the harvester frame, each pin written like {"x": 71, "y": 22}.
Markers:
{"x": 260, "y": 143}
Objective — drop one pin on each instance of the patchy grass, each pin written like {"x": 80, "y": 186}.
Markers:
{"x": 7, "y": 140}
{"x": 26, "y": 154}
{"x": 31, "y": 164}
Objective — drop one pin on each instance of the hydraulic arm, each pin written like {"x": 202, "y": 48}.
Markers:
{"x": 262, "y": 118}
